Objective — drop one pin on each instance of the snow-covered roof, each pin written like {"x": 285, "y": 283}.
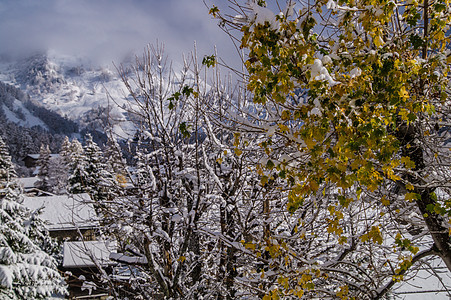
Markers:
{"x": 426, "y": 283}
{"x": 87, "y": 254}
{"x": 28, "y": 182}
{"x": 65, "y": 211}
{"x": 36, "y": 156}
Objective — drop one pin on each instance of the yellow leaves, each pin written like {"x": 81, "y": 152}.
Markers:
{"x": 181, "y": 259}
{"x": 344, "y": 201}
{"x": 403, "y": 93}
{"x": 342, "y": 240}
{"x": 250, "y": 246}
{"x": 385, "y": 201}
{"x": 237, "y": 151}
{"x": 309, "y": 142}
{"x": 214, "y": 11}
{"x": 236, "y": 143}
{"x": 389, "y": 172}
{"x": 373, "y": 235}
{"x": 343, "y": 292}
{"x": 411, "y": 196}
{"x": 286, "y": 115}
{"x": 409, "y": 164}
{"x": 356, "y": 164}
{"x": 273, "y": 249}
{"x": 403, "y": 113}
{"x": 306, "y": 281}
{"x": 378, "y": 41}
{"x": 283, "y": 281}
{"x": 334, "y": 224}
{"x": 121, "y": 179}
{"x": 405, "y": 264}
{"x": 299, "y": 293}
{"x": 283, "y": 128}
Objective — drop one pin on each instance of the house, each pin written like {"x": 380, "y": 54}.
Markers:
{"x": 28, "y": 183}
{"x": 81, "y": 261}
{"x": 31, "y": 160}
{"x": 68, "y": 217}
{"x": 72, "y": 219}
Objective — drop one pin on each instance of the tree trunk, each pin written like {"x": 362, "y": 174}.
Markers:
{"x": 407, "y": 135}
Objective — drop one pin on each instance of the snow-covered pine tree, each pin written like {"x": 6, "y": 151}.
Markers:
{"x": 98, "y": 181}
{"x": 44, "y": 172}
{"x": 65, "y": 151}
{"x": 59, "y": 166}
{"x": 26, "y": 271}
{"x": 77, "y": 166}
{"x": 114, "y": 160}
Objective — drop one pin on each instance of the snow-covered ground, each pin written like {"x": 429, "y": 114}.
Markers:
{"x": 29, "y": 121}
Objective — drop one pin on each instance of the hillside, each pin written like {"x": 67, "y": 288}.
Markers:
{"x": 69, "y": 87}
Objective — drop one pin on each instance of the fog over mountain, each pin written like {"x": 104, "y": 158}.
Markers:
{"x": 107, "y": 30}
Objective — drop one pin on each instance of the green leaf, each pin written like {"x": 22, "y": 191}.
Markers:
{"x": 187, "y": 90}
{"x": 184, "y": 129}
{"x": 209, "y": 61}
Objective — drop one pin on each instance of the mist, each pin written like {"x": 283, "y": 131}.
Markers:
{"x": 106, "y": 31}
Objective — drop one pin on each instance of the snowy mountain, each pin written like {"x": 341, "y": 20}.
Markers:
{"x": 68, "y": 86}
{"x": 18, "y": 108}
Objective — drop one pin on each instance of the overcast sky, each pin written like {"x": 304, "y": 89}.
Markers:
{"x": 106, "y": 30}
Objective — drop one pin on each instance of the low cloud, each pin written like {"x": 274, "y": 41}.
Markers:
{"x": 108, "y": 30}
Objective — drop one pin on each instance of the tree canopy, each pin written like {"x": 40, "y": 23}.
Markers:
{"x": 357, "y": 108}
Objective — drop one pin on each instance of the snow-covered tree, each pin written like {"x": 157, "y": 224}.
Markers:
{"x": 194, "y": 208}
{"x": 77, "y": 166}
{"x": 65, "y": 151}
{"x": 89, "y": 174}
{"x": 354, "y": 104}
{"x": 26, "y": 271}
{"x": 60, "y": 168}
{"x": 98, "y": 180}
{"x": 43, "y": 163}
{"x": 114, "y": 160}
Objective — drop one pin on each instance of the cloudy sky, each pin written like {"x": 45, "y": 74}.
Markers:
{"x": 106, "y": 30}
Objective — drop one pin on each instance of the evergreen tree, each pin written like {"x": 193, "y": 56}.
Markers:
{"x": 89, "y": 173}
{"x": 115, "y": 163}
{"x": 59, "y": 168}
{"x": 44, "y": 182}
{"x": 26, "y": 271}
{"x": 65, "y": 151}
{"x": 77, "y": 166}
{"x": 98, "y": 180}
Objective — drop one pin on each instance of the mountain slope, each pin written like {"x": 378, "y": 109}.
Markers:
{"x": 69, "y": 87}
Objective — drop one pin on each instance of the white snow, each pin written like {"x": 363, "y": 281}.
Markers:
{"x": 356, "y": 72}
{"x": 326, "y": 60}
{"x": 30, "y": 119}
{"x": 424, "y": 284}
{"x": 28, "y": 182}
{"x": 64, "y": 211}
{"x": 319, "y": 72}
{"x": 261, "y": 15}
{"x": 83, "y": 87}
{"x": 128, "y": 259}
{"x": 331, "y": 4}
{"x": 87, "y": 253}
